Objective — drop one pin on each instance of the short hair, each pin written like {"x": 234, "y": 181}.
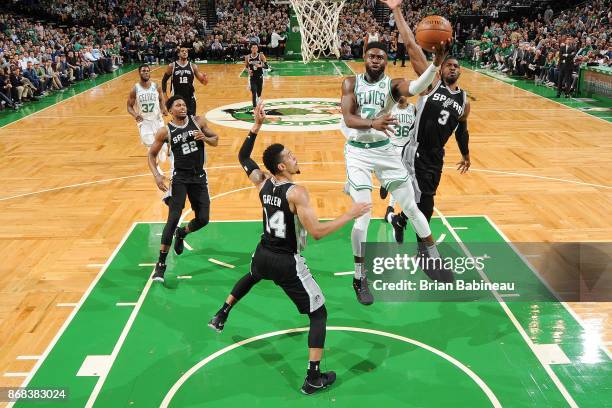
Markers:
{"x": 143, "y": 66}
{"x": 376, "y": 44}
{"x": 173, "y": 99}
{"x": 449, "y": 57}
{"x": 272, "y": 157}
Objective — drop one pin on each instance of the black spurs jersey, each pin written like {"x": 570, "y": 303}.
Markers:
{"x": 283, "y": 231}
{"x": 182, "y": 80}
{"x": 256, "y": 65}
{"x": 189, "y": 154}
{"x": 438, "y": 115}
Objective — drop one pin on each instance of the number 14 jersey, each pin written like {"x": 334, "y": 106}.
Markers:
{"x": 282, "y": 230}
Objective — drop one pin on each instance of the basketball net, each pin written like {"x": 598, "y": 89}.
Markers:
{"x": 318, "y": 20}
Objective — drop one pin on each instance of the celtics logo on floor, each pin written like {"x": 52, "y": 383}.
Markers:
{"x": 283, "y": 115}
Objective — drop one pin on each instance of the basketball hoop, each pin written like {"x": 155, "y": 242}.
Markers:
{"x": 318, "y": 21}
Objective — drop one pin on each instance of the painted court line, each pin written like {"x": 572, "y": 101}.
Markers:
{"x": 67, "y": 304}
{"x": 515, "y": 322}
{"x": 89, "y": 183}
{"x": 16, "y": 374}
{"x": 183, "y": 277}
{"x": 187, "y": 246}
{"x": 481, "y": 384}
{"x": 533, "y": 93}
{"x": 119, "y": 344}
{"x": 344, "y": 273}
{"x": 441, "y": 238}
{"x": 125, "y": 304}
{"x": 75, "y": 310}
{"x": 146, "y": 264}
{"x": 215, "y": 261}
{"x": 28, "y": 357}
{"x": 73, "y": 96}
{"x": 577, "y": 318}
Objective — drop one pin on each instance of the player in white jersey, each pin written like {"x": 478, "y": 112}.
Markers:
{"x": 403, "y": 137}
{"x": 367, "y": 100}
{"x": 145, "y": 104}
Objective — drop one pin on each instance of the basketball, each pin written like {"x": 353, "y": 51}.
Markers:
{"x": 432, "y": 30}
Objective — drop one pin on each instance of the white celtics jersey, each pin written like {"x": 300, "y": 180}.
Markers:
{"x": 147, "y": 100}
{"x": 404, "y": 130}
{"x": 373, "y": 100}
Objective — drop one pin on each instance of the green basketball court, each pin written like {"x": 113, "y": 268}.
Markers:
{"x": 132, "y": 342}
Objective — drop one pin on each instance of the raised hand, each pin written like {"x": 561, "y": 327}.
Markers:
{"x": 441, "y": 51}
{"x": 392, "y": 4}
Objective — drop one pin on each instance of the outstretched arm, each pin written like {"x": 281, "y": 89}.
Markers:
{"x": 410, "y": 88}
{"x": 298, "y": 196}
{"x": 251, "y": 168}
{"x": 415, "y": 53}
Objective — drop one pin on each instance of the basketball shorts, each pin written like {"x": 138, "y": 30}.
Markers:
{"x": 148, "y": 129}
{"x": 290, "y": 272}
{"x": 428, "y": 170}
{"x": 384, "y": 161}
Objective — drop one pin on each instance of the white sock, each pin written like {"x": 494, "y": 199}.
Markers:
{"x": 358, "y": 270}
{"x": 433, "y": 251}
{"x": 390, "y": 218}
{"x": 392, "y": 201}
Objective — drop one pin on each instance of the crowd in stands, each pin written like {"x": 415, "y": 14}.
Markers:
{"x": 80, "y": 39}
{"x": 531, "y": 48}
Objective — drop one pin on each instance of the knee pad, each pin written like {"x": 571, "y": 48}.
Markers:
{"x": 318, "y": 326}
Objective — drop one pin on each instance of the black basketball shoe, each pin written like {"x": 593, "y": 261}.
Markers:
{"x": 160, "y": 269}
{"x": 324, "y": 381}
{"x": 179, "y": 240}
{"x": 217, "y": 323}
{"x": 362, "y": 291}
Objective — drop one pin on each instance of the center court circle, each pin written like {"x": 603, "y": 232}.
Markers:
{"x": 283, "y": 115}
{"x": 466, "y": 370}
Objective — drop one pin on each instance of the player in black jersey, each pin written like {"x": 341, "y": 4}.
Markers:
{"x": 441, "y": 110}
{"x": 255, "y": 63}
{"x": 286, "y": 213}
{"x": 182, "y": 73}
{"x": 187, "y": 136}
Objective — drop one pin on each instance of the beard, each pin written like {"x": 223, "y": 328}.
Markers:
{"x": 373, "y": 74}
{"x": 451, "y": 80}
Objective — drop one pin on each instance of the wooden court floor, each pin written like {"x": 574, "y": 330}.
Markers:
{"x": 75, "y": 178}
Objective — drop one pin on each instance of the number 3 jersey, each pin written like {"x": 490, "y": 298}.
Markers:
{"x": 282, "y": 230}
{"x": 438, "y": 115}
{"x": 189, "y": 154}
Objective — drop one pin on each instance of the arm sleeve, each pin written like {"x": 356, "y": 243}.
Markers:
{"x": 463, "y": 137}
{"x": 422, "y": 83}
{"x": 244, "y": 155}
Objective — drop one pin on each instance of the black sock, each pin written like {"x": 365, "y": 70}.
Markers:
{"x": 225, "y": 309}
{"x": 314, "y": 371}
{"x": 162, "y": 257}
